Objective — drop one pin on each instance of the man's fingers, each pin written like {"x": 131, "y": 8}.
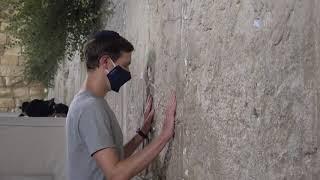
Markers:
{"x": 149, "y": 99}
{"x": 149, "y": 105}
{"x": 175, "y": 104}
{"x": 171, "y": 108}
{"x": 148, "y": 108}
{"x": 174, "y": 100}
{"x": 151, "y": 102}
{"x": 151, "y": 115}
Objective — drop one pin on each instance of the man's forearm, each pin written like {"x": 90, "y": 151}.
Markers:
{"x": 131, "y": 166}
{"x": 132, "y": 145}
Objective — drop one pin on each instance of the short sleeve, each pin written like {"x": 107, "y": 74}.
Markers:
{"x": 95, "y": 129}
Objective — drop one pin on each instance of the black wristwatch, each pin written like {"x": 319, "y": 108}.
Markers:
{"x": 142, "y": 134}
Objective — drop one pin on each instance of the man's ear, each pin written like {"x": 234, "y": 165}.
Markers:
{"x": 104, "y": 61}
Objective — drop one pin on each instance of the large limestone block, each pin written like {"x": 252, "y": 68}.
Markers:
{"x": 5, "y": 92}
{"x": 6, "y": 102}
{"x": 7, "y": 70}
{"x": 21, "y": 92}
{"x": 14, "y": 81}
{"x": 3, "y": 38}
{"x": 9, "y": 59}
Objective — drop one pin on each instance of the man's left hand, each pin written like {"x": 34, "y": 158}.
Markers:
{"x": 148, "y": 116}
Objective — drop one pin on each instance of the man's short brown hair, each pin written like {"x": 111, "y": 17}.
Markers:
{"x": 105, "y": 43}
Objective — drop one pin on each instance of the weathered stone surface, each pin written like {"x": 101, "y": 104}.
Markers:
{"x": 9, "y": 59}
{"x": 21, "y": 92}
{"x": 21, "y": 60}
{"x": 246, "y": 73}
{"x": 33, "y": 91}
{"x": 36, "y": 85}
{"x": 13, "y": 51}
{"x": 2, "y": 49}
{"x": 68, "y": 80}
{"x": 14, "y": 80}
{"x": 2, "y": 82}
{"x": 3, "y": 38}
{"x": 6, "y": 102}
{"x": 3, "y": 26}
{"x": 5, "y": 92}
{"x": 7, "y": 70}
{"x": 40, "y": 96}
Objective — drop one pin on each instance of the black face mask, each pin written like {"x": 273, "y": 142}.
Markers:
{"x": 118, "y": 77}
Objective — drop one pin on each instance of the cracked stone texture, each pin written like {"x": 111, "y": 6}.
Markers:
{"x": 246, "y": 73}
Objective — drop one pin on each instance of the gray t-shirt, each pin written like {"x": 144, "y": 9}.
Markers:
{"x": 91, "y": 126}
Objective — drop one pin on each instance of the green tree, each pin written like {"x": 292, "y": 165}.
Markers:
{"x": 50, "y": 31}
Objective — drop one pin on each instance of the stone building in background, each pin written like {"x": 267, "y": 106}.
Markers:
{"x": 13, "y": 89}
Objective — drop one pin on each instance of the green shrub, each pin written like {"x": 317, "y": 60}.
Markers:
{"x": 50, "y": 31}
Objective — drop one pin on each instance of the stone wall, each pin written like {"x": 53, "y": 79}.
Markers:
{"x": 246, "y": 73}
{"x": 13, "y": 89}
{"x": 68, "y": 80}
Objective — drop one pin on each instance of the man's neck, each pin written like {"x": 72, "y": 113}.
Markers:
{"x": 93, "y": 85}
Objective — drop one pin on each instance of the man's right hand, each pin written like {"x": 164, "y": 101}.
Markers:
{"x": 116, "y": 169}
{"x": 168, "y": 125}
